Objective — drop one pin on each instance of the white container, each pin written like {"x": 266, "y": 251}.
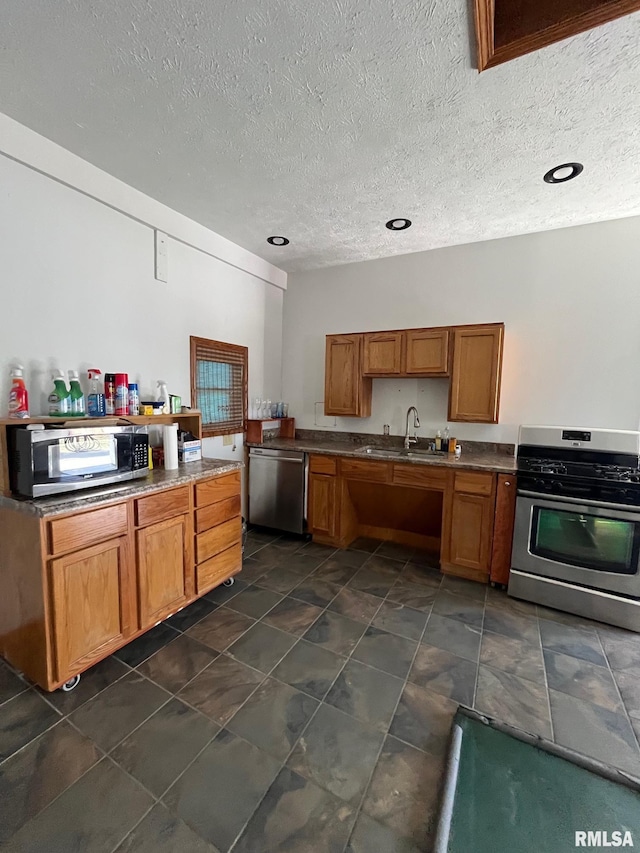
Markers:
{"x": 170, "y": 444}
{"x": 163, "y": 397}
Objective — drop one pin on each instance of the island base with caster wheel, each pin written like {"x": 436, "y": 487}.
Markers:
{"x": 78, "y": 584}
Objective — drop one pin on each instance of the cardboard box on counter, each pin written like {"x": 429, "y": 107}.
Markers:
{"x": 190, "y": 451}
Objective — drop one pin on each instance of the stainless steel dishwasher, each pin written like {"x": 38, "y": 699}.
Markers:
{"x": 278, "y": 489}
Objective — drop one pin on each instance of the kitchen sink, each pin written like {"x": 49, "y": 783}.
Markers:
{"x": 401, "y": 453}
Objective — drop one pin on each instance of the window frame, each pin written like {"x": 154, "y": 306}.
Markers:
{"x": 210, "y": 430}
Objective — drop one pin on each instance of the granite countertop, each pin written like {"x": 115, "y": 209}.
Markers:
{"x": 155, "y": 481}
{"x": 499, "y": 462}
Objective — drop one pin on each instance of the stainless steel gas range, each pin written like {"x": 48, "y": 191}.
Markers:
{"x": 576, "y": 543}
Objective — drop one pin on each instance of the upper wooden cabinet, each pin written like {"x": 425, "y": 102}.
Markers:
{"x": 474, "y": 393}
{"x": 471, "y": 355}
{"x": 382, "y": 355}
{"x": 346, "y": 391}
{"x": 426, "y": 352}
{"x": 408, "y": 352}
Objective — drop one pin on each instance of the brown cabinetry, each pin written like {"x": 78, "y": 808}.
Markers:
{"x": 218, "y": 547}
{"x": 163, "y": 562}
{"x": 346, "y": 391}
{"x": 90, "y": 591}
{"x": 80, "y": 586}
{"x": 322, "y": 505}
{"x": 503, "y": 529}
{"x": 382, "y": 353}
{"x": 466, "y": 515}
{"x": 474, "y": 393}
{"x": 427, "y": 352}
{"x": 468, "y": 525}
{"x": 471, "y": 355}
{"x": 409, "y": 352}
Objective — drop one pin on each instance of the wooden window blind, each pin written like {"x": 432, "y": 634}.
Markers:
{"x": 219, "y": 385}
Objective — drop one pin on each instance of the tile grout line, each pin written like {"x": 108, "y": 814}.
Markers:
{"x": 300, "y": 736}
{"x": 612, "y": 672}
{"x": 319, "y": 705}
{"x": 546, "y": 679}
{"x": 475, "y": 686}
{"x": 386, "y": 733}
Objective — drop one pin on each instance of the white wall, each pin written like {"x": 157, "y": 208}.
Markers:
{"x": 570, "y": 300}
{"x": 78, "y": 290}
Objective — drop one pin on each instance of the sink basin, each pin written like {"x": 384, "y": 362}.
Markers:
{"x": 400, "y": 453}
{"x": 391, "y": 454}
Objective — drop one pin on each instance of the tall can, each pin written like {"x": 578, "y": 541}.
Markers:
{"x": 122, "y": 394}
{"x": 110, "y": 393}
{"x": 134, "y": 399}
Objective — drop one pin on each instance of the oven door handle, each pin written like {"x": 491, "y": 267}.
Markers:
{"x": 630, "y": 508}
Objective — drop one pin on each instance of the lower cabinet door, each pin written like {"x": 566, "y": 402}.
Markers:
{"x": 471, "y": 532}
{"x": 162, "y": 568}
{"x": 322, "y": 505}
{"x": 91, "y": 590}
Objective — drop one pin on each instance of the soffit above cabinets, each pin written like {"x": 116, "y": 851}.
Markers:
{"x": 321, "y": 121}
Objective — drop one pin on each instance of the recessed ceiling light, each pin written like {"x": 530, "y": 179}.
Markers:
{"x": 398, "y": 224}
{"x": 278, "y": 241}
{"x": 560, "y": 174}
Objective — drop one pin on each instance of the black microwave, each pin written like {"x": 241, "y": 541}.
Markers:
{"x": 56, "y": 459}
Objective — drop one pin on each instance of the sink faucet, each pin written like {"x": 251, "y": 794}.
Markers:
{"x": 409, "y": 440}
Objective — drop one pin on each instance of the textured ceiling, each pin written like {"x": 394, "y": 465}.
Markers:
{"x": 321, "y": 119}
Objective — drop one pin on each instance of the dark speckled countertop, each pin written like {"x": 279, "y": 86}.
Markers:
{"x": 475, "y": 456}
{"x": 155, "y": 481}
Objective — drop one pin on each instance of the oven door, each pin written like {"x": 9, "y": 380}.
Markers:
{"x": 588, "y": 543}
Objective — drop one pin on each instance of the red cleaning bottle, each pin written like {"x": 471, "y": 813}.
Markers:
{"x": 18, "y": 397}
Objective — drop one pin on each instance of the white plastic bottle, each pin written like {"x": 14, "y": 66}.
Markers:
{"x": 163, "y": 397}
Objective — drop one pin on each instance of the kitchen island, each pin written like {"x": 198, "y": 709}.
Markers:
{"x": 83, "y": 575}
{"x": 461, "y": 509}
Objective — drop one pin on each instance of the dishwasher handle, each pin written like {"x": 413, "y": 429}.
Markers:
{"x": 257, "y": 454}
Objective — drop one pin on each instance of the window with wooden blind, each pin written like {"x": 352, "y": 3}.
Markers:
{"x": 219, "y": 385}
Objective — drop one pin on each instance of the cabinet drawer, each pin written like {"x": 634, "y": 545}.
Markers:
{"x": 217, "y": 489}
{"x": 219, "y": 568}
{"x": 163, "y": 505}
{"x": 373, "y": 472}
{"x": 210, "y": 516}
{"x": 322, "y": 464}
{"x": 422, "y": 476}
{"x": 474, "y": 482}
{"x": 86, "y": 528}
{"x": 213, "y": 541}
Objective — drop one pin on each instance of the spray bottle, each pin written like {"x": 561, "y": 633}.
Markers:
{"x": 76, "y": 395}
{"x": 60, "y": 398}
{"x": 18, "y": 397}
{"x": 163, "y": 396}
{"x": 96, "y": 402}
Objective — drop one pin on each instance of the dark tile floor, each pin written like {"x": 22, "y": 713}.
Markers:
{"x": 306, "y": 708}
